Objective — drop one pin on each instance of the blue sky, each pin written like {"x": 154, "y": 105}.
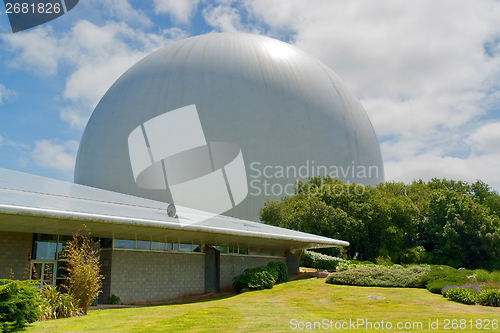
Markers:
{"x": 427, "y": 73}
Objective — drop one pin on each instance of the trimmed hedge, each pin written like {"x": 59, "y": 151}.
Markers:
{"x": 317, "y": 260}
{"x": 378, "y": 276}
{"x": 19, "y": 304}
{"x": 263, "y": 277}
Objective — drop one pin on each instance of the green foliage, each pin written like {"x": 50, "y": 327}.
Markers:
{"x": 481, "y": 275}
{"x": 280, "y": 271}
{"x": 19, "y": 304}
{"x": 443, "y": 221}
{"x": 56, "y": 304}
{"x": 378, "y": 277}
{"x": 255, "y": 279}
{"x": 113, "y": 299}
{"x": 462, "y": 295}
{"x": 489, "y": 297}
{"x": 436, "y": 286}
{"x": 352, "y": 264}
{"x": 84, "y": 282}
{"x": 445, "y": 274}
{"x": 484, "y": 276}
{"x": 317, "y": 260}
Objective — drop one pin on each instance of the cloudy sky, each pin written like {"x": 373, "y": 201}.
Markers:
{"x": 427, "y": 73}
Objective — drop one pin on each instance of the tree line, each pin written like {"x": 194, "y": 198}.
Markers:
{"x": 442, "y": 221}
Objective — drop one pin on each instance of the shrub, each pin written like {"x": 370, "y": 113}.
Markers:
{"x": 56, "y": 304}
{"x": 475, "y": 287}
{"x": 255, "y": 279}
{"x": 317, "y": 260}
{"x": 383, "y": 260}
{"x": 443, "y": 273}
{"x": 462, "y": 295}
{"x": 82, "y": 264}
{"x": 495, "y": 276}
{"x": 489, "y": 297}
{"x": 378, "y": 276}
{"x": 280, "y": 271}
{"x": 481, "y": 275}
{"x": 19, "y": 304}
{"x": 113, "y": 299}
{"x": 436, "y": 286}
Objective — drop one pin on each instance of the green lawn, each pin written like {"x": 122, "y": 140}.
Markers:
{"x": 272, "y": 310}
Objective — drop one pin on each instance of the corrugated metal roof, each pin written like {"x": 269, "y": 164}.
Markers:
{"x": 30, "y": 203}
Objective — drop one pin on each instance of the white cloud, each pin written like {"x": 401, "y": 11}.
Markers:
{"x": 5, "y": 93}
{"x": 180, "y": 11}
{"x": 223, "y": 18}
{"x": 123, "y": 11}
{"x": 419, "y": 68}
{"x": 487, "y": 138}
{"x": 36, "y": 50}
{"x": 1, "y": 140}
{"x": 75, "y": 117}
{"x": 55, "y": 154}
{"x": 429, "y": 166}
{"x": 98, "y": 55}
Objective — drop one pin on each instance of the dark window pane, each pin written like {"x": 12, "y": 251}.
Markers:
{"x": 143, "y": 245}
{"x": 124, "y": 244}
{"x": 45, "y": 250}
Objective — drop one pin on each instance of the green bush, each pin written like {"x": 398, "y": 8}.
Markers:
{"x": 378, "y": 276}
{"x": 19, "y": 304}
{"x": 443, "y": 273}
{"x": 57, "y": 305}
{"x": 352, "y": 264}
{"x": 317, "y": 260}
{"x": 255, "y": 279}
{"x": 489, "y": 297}
{"x": 436, "y": 286}
{"x": 462, "y": 295}
{"x": 495, "y": 276}
{"x": 280, "y": 271}
{"x": 484, "y": 276}
{"x": 113, "y": 299}
{"x": 481, "y": 275}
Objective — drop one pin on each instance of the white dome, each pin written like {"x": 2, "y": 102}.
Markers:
{"x": 282, "y": 107}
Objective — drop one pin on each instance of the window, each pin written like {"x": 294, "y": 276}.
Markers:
{"x": 124, "y": 244}
{"x": 143, "y": 245}
{"x": 158, "y": 246}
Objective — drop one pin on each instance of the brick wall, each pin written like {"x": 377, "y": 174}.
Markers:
{"x": 14, "y": 250}
{"x": 232, "y": 265}
{"x": 149, "y": 276}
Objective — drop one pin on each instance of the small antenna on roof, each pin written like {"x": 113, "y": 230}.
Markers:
{"x": 171, "y": 210}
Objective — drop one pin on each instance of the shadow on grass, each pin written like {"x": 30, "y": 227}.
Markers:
{"x": 198, "y": 298}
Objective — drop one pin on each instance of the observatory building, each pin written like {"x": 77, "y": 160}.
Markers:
{"x": 285, "y": 114}
{"x": 176, "y": 160}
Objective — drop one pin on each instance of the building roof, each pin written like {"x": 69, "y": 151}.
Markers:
{"x": 35, "y": 204}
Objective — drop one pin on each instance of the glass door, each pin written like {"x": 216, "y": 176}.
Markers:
{"x": 44, "y": 271}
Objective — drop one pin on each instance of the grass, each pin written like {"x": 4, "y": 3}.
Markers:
{"x": 271, "y": 311}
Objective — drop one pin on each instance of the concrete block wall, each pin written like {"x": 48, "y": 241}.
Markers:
{"x": 232, "y": 265}
{"x": 15, "y": 248}
{"x": 150, "y": 276}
